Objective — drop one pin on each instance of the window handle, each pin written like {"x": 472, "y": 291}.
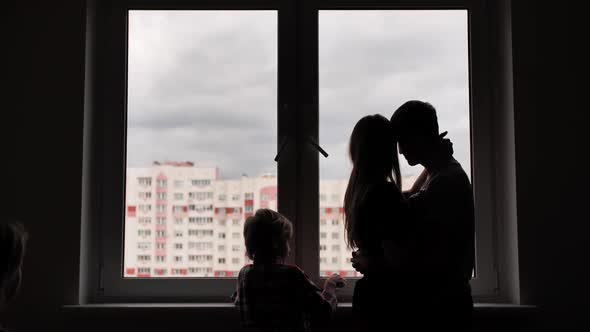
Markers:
{"x": 281, "y": 147}
{"x": 318, "y": 147}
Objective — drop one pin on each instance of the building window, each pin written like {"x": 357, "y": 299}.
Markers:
{"x": 144, "y": 181}
{"x": 145, "y": 195}
{"x": 160, "y": 258}
{"x": 178, "y": 196}
{"x": 322, "y": 222}
{"x": 335, "y": 222}
{"x": 236, "y": 248}
{"x": 335, "y": 235}
{"x": 236, "y": 222}
{"x": 178, "y": 259}
{"x": 322, "y": 235}
{"x": 335, "y": 247}
{"x": 160, "y": 221}
{"x": 160, "y": 246}
{"x": 235, "y": 261}
{"x": 221, "y": 235}
{"x": 221, "y": 260}
{"x": 177, "y": 233}
{"x": 221, "y": 248}
{"x": 178, "y": 184}
{"x": 161, "y": 196}
{"x": 236, "y": 235}
{"x": 221, "y": 197}
{"x": 235, "y": 197}
{"x": 143, "y": 258}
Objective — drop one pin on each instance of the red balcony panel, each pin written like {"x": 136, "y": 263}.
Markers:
{"x": 249, "y": 202}
{"x": 144, "y": 275}
{"x": 228, "y": 274}
{"x": 131, "y": 211}
{"x": 343, "y": 273}
{"x": 328, "y": 210}
{"x": 185, "y": 209}
{"x": 341, "y": 210}
{"x": 130, "y": 270}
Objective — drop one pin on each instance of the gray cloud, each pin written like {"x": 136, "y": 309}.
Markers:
{"x": 202, "y": 85}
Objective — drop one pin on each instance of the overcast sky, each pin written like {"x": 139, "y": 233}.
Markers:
{"x": 202, "y": 84}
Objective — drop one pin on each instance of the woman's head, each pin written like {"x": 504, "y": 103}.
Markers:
{"x": 373, "y": 152}
{"x": 13, "y": 238}
{"x": 267, "y": 234}
{"x": 373, "y": 149}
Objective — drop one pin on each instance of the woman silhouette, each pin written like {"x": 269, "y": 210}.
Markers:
{"x": 378, "y": 227}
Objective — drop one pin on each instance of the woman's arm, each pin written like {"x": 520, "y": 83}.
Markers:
{"x": 417, "y": 184}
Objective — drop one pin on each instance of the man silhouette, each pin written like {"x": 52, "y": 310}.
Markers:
{"x": 441, "y": 202}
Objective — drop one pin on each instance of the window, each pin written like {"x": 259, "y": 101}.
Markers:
{"x": 145, "y": 195}
{"x": 221, "y": 260}
{"x": 178, "y": 221}
{"x": 221, "y": 248}
{"x": 334, "y": 260}
{"x": 143, "y": 258}
{"x": 222, "y": 222}
{"x": 221, "y": 197}
{"x": 236, "y": 248}
{"x": 335, "y": 247}
{"x": 139, "y": 124}
{"x": 177, "y": 233}
{"x": 143, "y": 245}
{"x": 235, "y": 261}
{"x": 144, "y": 181}
{"x": 178, "y": 259}
{"x": 236, "y": 235}
{"x": 236, "y": 222}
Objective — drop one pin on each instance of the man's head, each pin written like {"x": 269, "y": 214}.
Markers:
{"x": 267, "y": 234}
{"x": 415, "y": 127}
{"x": 13, "y": 239}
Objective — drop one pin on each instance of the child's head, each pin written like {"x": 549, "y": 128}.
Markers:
{"x": 13, "y": 239}
{"x": 267, "y": 235}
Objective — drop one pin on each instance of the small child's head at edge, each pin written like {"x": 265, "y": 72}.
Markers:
{"x": 267, "y": 234}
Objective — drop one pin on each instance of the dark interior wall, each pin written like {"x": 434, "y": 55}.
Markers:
{"x": 550, "y": 147}
{"x": 43, "y": 128}
{"x": 42, "y": 134}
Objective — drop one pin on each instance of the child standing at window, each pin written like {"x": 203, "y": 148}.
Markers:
{"x": 271, "y": 294}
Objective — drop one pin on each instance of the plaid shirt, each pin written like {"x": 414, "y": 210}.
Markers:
{"x": 281, "y": 297}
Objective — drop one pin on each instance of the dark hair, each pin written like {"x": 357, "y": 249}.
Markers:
{"x": 267, "y": 234}
{"x": 415, "y": 118}
{"x": 373, "y": 153}
{"x": 13, "y": 239}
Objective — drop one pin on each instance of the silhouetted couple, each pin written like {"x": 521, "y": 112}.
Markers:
{"x": 415, "y": 249}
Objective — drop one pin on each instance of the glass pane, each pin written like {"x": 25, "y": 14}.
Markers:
{"x": 201, "y": 138}
{"x": 372, "y": 62}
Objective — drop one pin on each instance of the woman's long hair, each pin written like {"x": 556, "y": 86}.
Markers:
{"x": 373, "y": 152}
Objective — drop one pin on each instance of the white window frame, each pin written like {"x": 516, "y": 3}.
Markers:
{"x": 297, "y": 125}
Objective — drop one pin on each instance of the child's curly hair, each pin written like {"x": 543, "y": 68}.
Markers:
{"x": 267, "y": 234}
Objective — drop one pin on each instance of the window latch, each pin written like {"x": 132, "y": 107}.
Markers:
{"x": 281, "y": 148}
{"x": 318, "y": 147}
